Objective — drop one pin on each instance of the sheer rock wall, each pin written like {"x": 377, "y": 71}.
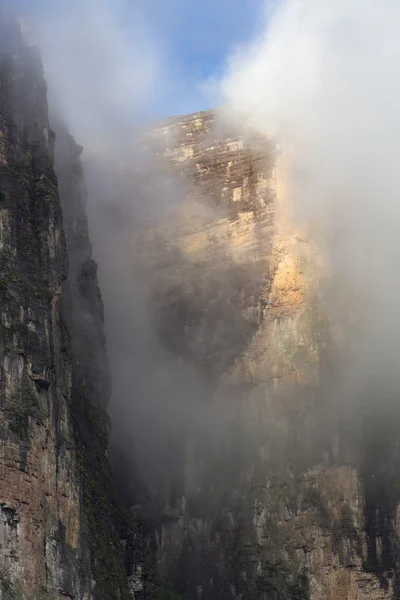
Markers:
{"x": 59, "y": 515}
{"x": 286, "y": 501}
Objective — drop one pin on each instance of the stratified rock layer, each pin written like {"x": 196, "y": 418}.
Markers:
{"x": 286, "y": 500}
{"x": 210, "y": 262}
{"x": 59, "y": 515}
{"x": 39, "y": 485}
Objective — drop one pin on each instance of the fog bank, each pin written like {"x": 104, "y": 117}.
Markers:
{"x": 104, "y": 67}
{"x": 324, "y": 80}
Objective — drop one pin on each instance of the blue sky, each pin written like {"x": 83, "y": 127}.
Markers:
{"x": 198, "y": 36}
{"x": 192, "y": 39}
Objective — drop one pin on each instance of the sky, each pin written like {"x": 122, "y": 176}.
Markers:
{"x": 188, "y": 40}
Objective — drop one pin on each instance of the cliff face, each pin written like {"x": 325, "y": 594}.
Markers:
{"x": 104, "y": 522}
{"x": 209, "y": 264}
{"x": 40, "y": 489}
{"x": 288, "y": 499}
{"x": 59, "y": 516}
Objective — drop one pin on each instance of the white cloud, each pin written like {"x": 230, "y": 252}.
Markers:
{"x": 324, "y": 78}
{"x": 101, "y": 73}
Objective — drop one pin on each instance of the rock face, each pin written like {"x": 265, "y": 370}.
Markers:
{"x": 59, "y": 515}
{"x": 105, "y": 524}
{"x": 211, "y": 261}
{"x": 40, "y": 490}
{"x": 288, "y": 500}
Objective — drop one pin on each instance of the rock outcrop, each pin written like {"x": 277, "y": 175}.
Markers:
{"x": 60, "y": 517}
{"x": 287, "y": 500}
{"x": 40, "y": 488}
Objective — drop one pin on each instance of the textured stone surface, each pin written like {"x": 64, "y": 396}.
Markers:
{"x": 60, "y": 517}
{"x": 283, "y": 502}
{"x": 104, "y": 521}
{"x": 39, "y": 484}
{"x": 210, "y": 261}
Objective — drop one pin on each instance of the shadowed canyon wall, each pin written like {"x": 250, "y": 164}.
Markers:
{"x": 63, "y": 531}
{"x": 41, "y": 492}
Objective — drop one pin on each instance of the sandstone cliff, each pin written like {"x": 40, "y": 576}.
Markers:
{"x": 60, "y": 516}
{"x": 297, "y": 497}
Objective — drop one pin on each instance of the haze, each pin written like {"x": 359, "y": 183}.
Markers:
{"x": 323, "y": 78}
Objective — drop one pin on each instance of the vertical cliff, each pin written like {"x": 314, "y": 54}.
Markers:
{"x": 232, "y": 290}
{"x": 293, "y": 492}
{"x": 60, "y": 519}
{"x": 105, "y": 523}
{"x": 40, "y": 486}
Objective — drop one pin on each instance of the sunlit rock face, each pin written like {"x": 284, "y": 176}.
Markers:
{"x": 280, "y": 496}
{"x": 210, "y": 259}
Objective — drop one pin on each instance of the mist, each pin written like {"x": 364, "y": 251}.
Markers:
{"x": 324, "y": 80}
{"x": 320, "y": 78}
{"x": 104, "y": 86}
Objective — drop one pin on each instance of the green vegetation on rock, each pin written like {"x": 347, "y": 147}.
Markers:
{"x": 277, "y": 583}
{"x": 19, "y": 408}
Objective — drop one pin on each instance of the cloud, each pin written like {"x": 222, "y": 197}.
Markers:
{"x": 107, "y": 64}
{"x": 147, "y": 59}
{"x": 324, "y": 80}
{"x": 101, "y": 63}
